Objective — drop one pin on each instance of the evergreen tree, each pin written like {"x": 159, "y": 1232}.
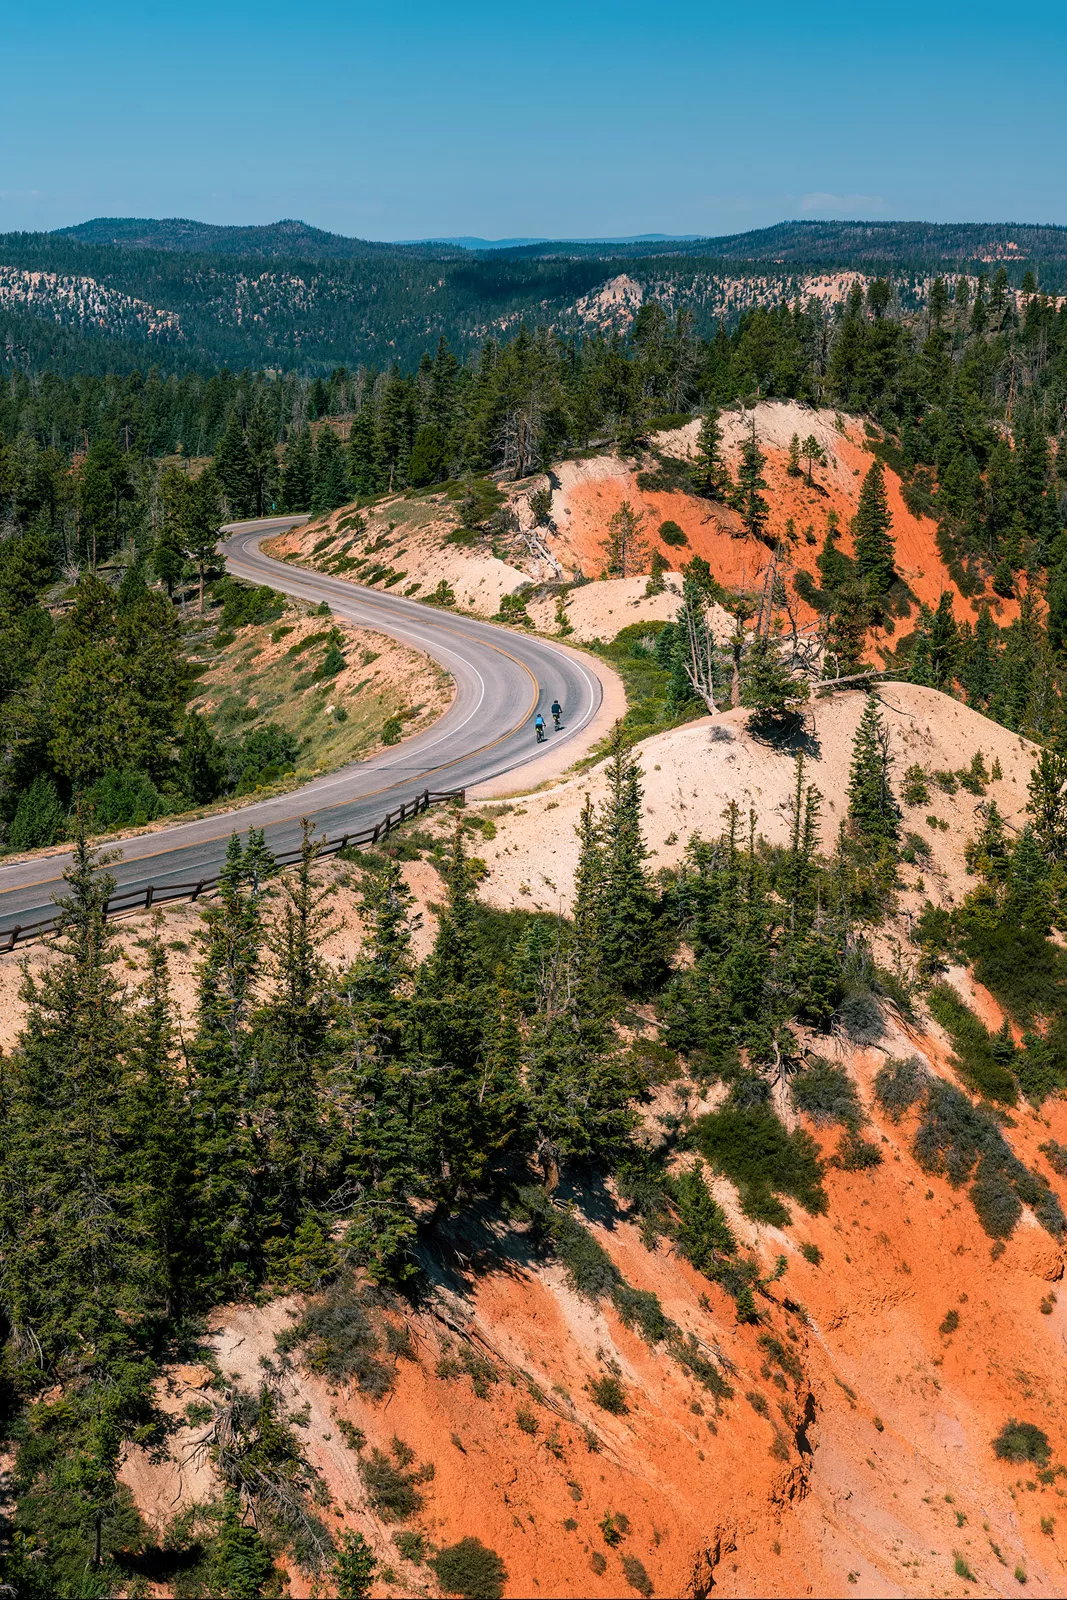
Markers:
{"x": 290, "y": 1041}
{"x": 201, "y": 765}
{"x": 979, "y": 674}
{"x": 39, "y": 816}
{"x": 769, "y": 687}
{"x": 298, "y": 473}
{"x": 626, "y": 551}
{"x": 225, "y": 1209}
{"x": 241, "y": 1562}
{"x": 354, "y": 1568}
{"x": 235, "y": 470}
{"x": 377, "y": 1083}
{"x": 201, "y": 515}
{"x": 943, "y": 644}
{"x": 77, "y": 1194}
{"x": 589, "y": 905}
{"x": 750, "y": 480}
{"x": 156, "y": 1113}
{"x": 469, "y": 1043}
{"x": 331, "y": 486}
{"x": 630, "y": 945}
{"x": 874, "y": 545}
{"x": 364, "y": 466}
{"x": 711, "y": 476}
{"x": 814, "y": 454}
{"x": 1047, "y": 804}
{"x": 82, "y": 1274}
{"x": 799, "y": 877}
{"x": 873, "y": 813}
{"x": 263, "y": 461}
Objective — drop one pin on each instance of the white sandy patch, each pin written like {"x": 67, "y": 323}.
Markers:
{"x": 776, "y": 423}
{"x": 692, "y": 773}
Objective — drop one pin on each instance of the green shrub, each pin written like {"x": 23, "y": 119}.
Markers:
{"x": 861, "y": 1016}
{"x": 950, "y": 1322}
{"x": 899, "y": 1085}
{"x": 340, "y": 1341}
{"x": 591, "y": 1270}
{"x": 39, "y": 817}
{"x": 978, "y": 1058}
{"x": 614, "y": 1526}
{"x": 243, "y": 603}
{"x": 856, "y": 1154}
{"x": 672, "y": 534}
{"x": 636, "y": 1576}
{"x": 955, "y": 1138}
{"x": 513, "y": 609}
{"x": 470, "y": 1569}
{"x": 1022, "y": 1441}
{"x": 261, "y": 756}
{"x": 354, "y": 1568}
{"x": 640, "y": 1308}
{"x": 310, "y": 640}
{"x": 123, "y": 800}
{"x": 827, "y": 1094}
{"x": 915, "y": 849}
{"x": 390, "y": 1488}
{"x": 608, "y": 1393}
{"x": 811, "y": 1252}
{"x": 392, "y": 730}
{"x": 411, "y": 1546}
{"x": 754, "y": 1150}
{"x": 1023, "y": 968}
{"x": 914, "y": 790}
{"x": 1056, "y": 1156}
{"x": 333, "y": 663}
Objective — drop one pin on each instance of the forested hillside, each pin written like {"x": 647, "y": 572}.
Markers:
{"x": 609, "y": 1131}
{"x": 190, "y": 297}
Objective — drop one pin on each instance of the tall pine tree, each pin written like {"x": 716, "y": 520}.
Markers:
{"x": 874, "y": 545}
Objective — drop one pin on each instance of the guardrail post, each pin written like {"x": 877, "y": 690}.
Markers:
{"x": 16, "y": 930}
{"x": 344, "y": 842}
{"x": 148, "y": 894}
{"x": 374, "y": 835}
{"x": 197, "y": 890}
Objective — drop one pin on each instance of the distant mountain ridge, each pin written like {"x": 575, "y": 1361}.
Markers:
{"x": 125, "y": 293}
{"x": 815, "y": 244}
{"x": 289, "y": 238}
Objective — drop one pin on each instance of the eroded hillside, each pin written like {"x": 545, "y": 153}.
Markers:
{"x": 418, "y": 541}
{"x": 567, "y": 1387}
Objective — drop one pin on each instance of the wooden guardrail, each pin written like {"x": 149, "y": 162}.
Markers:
{"x": 127, "y": 900}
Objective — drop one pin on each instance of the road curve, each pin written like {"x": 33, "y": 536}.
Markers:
{"x": 502, "y": 678}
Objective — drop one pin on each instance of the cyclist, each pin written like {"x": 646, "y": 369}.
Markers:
{"x": 557, "y": 714}
{"x": 539, "y": 725}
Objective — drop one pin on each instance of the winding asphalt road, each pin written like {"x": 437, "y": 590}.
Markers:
{"x": 502, "y": 678}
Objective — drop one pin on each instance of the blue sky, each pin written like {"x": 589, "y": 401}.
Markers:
{"x": 412, "y": 119}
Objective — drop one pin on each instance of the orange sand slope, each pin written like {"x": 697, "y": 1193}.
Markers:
{"x": 590, "y": 491}
{"x": 854, "y": 1455}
